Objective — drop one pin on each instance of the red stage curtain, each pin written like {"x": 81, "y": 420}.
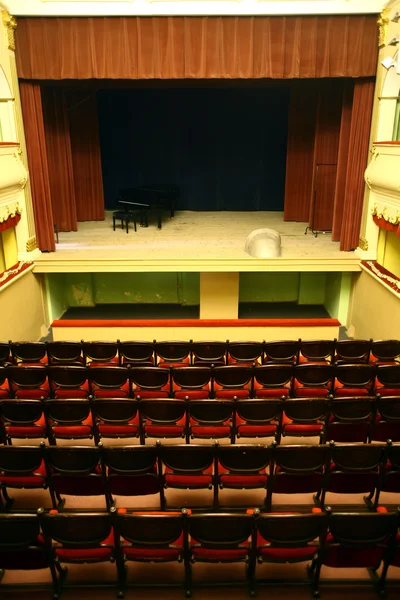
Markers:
{"x": 85, "y": 144}
{"x": 300, "y": 152}
{"x": 343, "y": 156}
{"x": 196, "y": 47}
{"x": 326, "y": 147}
{"x": 60, "y": 160}
{"x": 357, "y": 163}
{"x": 37, "y": 161}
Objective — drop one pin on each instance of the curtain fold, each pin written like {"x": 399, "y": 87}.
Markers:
{"x": 86, "y": 160}
{"x": 357, "y": 163}
{"x": 343, "y": 156}
{"x": 326, "y": 147}
{"x": 300, "y": 152}
{"x": 58, "y": 144}
{"x": 196, "y": 47}
{"x": 32, "y": 112}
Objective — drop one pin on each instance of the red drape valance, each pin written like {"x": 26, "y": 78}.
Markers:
{"x": 386, "y": 225}
{"x": 10, "y": 222}
{"x": 196, "y": 47}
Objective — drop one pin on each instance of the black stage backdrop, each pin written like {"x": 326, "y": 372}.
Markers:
{"x": 225, "y": 148}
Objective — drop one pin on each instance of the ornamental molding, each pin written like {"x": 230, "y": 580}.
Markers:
{"x": 10, "y": 24}
{"x": 11, "y": 209}
{"x": 389, "y": 214}
{"x": 383, "y": 24}
{"x": 13, "y": 174}
{"x": 363, "y": 244}
{"x": 31, "y": 244}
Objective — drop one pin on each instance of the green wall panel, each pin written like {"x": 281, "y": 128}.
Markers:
{"x": 312, "y": 288}
{"x": 89, "y": 289}
{"x": 269, "y": 287}
{"x": 78, "y": 289}
{"x": 55, "y": 295}
{"x": 146, "y": 288}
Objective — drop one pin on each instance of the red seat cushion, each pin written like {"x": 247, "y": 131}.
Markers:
{"x": 150, "y": 393}
{"x": 38, "y": 429}
{"x": 283, "y": 555}
{"x": 165, "y": 430}
{"x": 170, "y": 430}
{"x": 272, "y": 392}
{"x": 232, "y": 393}
{"x": 189, "y": 481}
{"x": 152, "y": 554}
{"x": 134, "y": 485}
{"x": 192, "y": 394}
{"x": 87, "y": 554}
{"x": 210, "y": 431}
{"x": 256, "y": 430}
{"x": 114, "y": 393}
{"x": 75, "y": 431}
{"x": 345, "y": 391}
{"x": 348, "y": 432}
{"x": 119, "y": 430}
{"x": 387, "y": 391}
{"x": 76, "y": 393}
{"x": 302, "y": 429}
{"x": 341, "y": 557}
{"x": 288, "y": 483}
{"x": 35, "y": 393}
{"x": 79, "y": 485}
{"x": 217, "y": 555}
{"x": 244, "y": 481}
{"x": 36, "y": 480}
{"x": 351, "y": 483}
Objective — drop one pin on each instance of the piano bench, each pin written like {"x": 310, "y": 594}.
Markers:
{"x": 125, "y": 217}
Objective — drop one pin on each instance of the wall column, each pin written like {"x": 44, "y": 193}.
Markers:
{"x": 26, "y": 235}
{"x": 219, "y": 295}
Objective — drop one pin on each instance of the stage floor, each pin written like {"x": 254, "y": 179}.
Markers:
{"x": 193, "y": 241}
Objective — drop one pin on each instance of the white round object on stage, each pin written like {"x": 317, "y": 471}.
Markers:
{"x": 263, "y": 243}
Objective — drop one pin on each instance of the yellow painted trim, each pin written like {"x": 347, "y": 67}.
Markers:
{"x": 88, "y": 265}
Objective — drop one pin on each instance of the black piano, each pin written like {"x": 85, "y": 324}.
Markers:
{"x": 156, "y": 198}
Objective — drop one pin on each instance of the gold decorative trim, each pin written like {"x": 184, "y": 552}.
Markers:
{"x": 363, "y": 244}
{"x": 383, "y": 24}
{"x": 384, "y": 214}
{"x": 9, "y": 210}
{"x": 17, "y": 155}
{"x": 10, "y": 23}
{"x": 31, "y": 244}
{"x": 393, "y": 281}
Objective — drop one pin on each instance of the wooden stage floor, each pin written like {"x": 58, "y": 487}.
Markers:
{"x": 193, "y": 241}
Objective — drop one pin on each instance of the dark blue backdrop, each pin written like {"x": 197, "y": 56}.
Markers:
{"x": 225, "y": 148}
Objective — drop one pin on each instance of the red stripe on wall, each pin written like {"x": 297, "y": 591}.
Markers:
{"x": 197, "y": 323}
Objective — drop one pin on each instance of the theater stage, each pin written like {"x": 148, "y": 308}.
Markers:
{"x": 192, "y": 241}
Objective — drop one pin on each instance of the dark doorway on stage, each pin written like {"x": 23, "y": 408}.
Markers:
{"x": 224, "y": 147}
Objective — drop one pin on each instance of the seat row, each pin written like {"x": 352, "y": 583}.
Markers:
{"x": 339, "y": 540}
{"x": 260, "y": 381}
{"x": 111, "y": 471}
{"x": 207, "y": 352}
{"x": 343, "y": 419}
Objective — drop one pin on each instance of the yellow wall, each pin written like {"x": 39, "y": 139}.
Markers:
{"x": 196, "y": 333}
{"x": 22, "y": 312}
{"x": 10, "y": 248}
{"x": 375, "y": 310}
{"x": 389, "y": 251}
